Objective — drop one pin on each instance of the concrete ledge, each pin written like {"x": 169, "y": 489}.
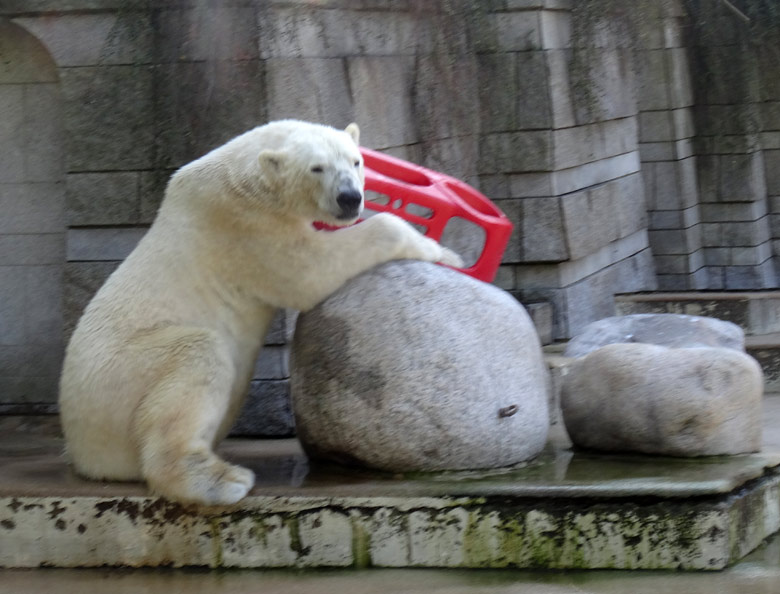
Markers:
{"x": 564, "y": 510}
{"x": 391, "y": 532}
{"x": 758, "y": 312}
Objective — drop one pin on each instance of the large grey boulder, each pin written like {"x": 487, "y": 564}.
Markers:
{"x": 671, "y": 330}
{"x": 412, "y": 366}
{"x": 659, "y": 400}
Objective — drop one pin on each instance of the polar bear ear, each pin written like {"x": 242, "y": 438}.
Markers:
{"x": 354, "y": 131}
{"x": 271, "y": 161}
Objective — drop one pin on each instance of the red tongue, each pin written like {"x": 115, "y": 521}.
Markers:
{"x": 320, "y": 226}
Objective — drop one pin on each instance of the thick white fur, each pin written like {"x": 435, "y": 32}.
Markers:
{"x": 158, "y": 366}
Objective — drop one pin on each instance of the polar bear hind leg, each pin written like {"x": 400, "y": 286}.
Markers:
{"x": 178, "y": 422}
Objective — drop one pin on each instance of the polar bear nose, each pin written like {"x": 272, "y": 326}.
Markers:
{"x": 349, "y": 201}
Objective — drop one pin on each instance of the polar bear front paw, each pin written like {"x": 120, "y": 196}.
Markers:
{"x": 209, "y": 481}
{"x": 450, "y": 258}
{"x": 408, "y": 243}
{"x": 229, "y": 493}
{"x": 432, "y": 251}
{"x": 232, "y": 487}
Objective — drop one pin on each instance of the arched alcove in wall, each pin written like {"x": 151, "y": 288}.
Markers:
{"x": 32, "y": 219}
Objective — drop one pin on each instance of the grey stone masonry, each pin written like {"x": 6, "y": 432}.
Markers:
{"x": 32, "y": 220}
{"x": 633, "y": 148}
{"x": 738, "y": 252}
{"x": 571, "y": 173}
{"x": 770, "y": 144}
{"x": 666, "y": 132}
{"x": 756, "y": 312}
{"x": 267, "y": 410}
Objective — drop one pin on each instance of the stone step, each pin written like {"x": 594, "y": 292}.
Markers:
{"x": 765, "y": 348}
{"x": 563, "y": 510}
{"x": 756, "y": 312}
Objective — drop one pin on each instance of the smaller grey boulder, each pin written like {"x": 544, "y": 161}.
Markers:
{"x": 671, "y": 330}
{"x": 659, "y": 400}
{"x": 412, "y": 366}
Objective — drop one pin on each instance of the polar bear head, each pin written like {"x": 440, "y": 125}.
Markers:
{"x": 314, "y": 171}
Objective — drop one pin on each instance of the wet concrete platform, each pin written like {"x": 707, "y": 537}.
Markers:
{"x": 564, "y": 510}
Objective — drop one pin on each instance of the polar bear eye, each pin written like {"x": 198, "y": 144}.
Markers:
{"x": 357, "y": 163}
{"x": 317, "y": 169}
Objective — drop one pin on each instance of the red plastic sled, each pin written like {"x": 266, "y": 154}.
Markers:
{"x": 439, "y": 198}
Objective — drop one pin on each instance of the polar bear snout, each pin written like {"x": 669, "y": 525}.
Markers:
{"x": 350, "y": 201}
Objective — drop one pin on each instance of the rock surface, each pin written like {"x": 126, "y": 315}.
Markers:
{"x": 671, "y": 330}
{"x": 659, "y": 400}
{"x": 412, "y": 366}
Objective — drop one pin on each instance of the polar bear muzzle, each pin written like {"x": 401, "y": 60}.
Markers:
{"x": 350, "y": 202}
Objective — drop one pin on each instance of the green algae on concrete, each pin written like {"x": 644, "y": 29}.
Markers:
{"x": 758, "y": 573}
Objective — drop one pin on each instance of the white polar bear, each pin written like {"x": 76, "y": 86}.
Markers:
{"x": 159, "y": 364}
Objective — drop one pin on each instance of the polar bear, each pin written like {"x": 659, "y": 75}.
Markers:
{"x": 159, "y": 364}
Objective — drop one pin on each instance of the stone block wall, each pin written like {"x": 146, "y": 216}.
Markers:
{"x": 32, "y": 224}
{"x": 148, "y": 86}
{"x": 731, "y": 81}
{"x": 569, "y": 174}
{"x": 142, "y": 90}
{"x": 669, "y": 162}
{"x": 768, "y": 56}
{"x": 604, "y": 139}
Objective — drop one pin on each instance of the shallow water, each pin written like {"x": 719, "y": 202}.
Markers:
{"x": 33, "y": 465}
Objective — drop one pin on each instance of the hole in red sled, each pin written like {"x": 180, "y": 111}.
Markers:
{"x": 377, "y": 198}
{"x": 465, "y": 238}
{"x": 419, "y": 211}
